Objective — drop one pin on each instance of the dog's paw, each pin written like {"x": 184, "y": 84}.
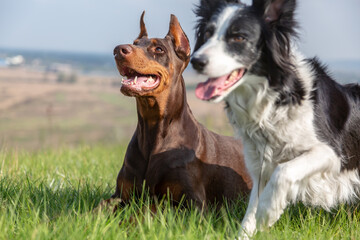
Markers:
{"x": 248, "y": 229}
{"x": 262, "y": 216}
{"x": 243, "y": 236}
{"x": 266, "y": 216}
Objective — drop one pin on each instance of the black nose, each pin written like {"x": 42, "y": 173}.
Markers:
{"x": 122, "y": 50}
{"x": 199, "y": 63}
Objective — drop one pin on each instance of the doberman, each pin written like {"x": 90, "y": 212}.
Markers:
{"x": 170, "y": 150}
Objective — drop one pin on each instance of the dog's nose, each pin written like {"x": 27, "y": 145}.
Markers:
{"x": 199, "y": 63}
{"x": 122, "y": 50}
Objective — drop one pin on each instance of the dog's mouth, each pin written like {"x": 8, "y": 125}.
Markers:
{"x": 139, "y": 82}
{"x": 220, "y": 86}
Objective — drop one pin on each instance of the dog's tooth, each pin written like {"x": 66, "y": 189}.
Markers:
{"x": 234, "y": 73}
{"x": 150, "y": 79}
{"x": 135, "y": 80}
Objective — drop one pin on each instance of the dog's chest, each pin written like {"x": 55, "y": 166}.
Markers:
{"x": 281, "y": 135}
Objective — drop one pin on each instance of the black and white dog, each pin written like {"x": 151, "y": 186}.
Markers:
{"x": 301, "y": 129}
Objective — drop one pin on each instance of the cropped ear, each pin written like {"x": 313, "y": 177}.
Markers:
{"x": 143, "y": 32}
{"x": 179, "y": 38}
{"x": 275, "y": 10}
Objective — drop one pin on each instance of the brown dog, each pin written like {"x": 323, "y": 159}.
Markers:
{"x": 170, "y": 150}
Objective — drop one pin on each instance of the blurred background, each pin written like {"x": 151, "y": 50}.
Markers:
{"x": 59, "y": 85}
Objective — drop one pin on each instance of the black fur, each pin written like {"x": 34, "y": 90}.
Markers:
{"x": 337, "y": 119}
{"x": 204, "y": 11}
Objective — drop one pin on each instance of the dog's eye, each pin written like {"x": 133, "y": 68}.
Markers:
{"x": 207, "y": 35}
{"x": 159, "y": 50}
{"x": 238, "y": 39}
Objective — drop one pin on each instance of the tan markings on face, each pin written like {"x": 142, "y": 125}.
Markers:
{"x": 142, "y": 64}
{"x": 139, "y": 62}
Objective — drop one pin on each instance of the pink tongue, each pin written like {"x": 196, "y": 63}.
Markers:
{"x": 140, "y": 79}
{"x": 207, "y": 90}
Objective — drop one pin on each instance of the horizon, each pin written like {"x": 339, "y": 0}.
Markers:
{"x": 24, "y": 51}
{"x": 110, "y": 53}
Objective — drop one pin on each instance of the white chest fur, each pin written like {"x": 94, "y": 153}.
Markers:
{"x": 274, "y": 134}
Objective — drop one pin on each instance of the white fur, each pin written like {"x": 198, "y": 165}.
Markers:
{"x": 283, "y": 154}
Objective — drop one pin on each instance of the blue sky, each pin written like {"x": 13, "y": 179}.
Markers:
{"x": 330, "y": 28}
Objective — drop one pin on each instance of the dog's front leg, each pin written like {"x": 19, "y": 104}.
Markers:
{"x": 248, "y": 225}
{"x": 285, "y": 181}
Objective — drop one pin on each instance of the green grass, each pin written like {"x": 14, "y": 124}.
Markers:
{"x": 51, "y": 195}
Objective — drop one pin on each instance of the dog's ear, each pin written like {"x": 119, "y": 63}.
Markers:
{"x": 278, "y": 16}
{"x": 143, "y": 32}
{"x": 179, "y": 39}
{"x": 275, "y": 10}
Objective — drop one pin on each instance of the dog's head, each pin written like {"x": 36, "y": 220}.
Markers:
{"x": 151, "y": 65}
{"x": 235, "y": 40}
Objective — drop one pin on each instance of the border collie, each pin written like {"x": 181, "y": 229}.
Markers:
{"x": 301, "y": 129}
